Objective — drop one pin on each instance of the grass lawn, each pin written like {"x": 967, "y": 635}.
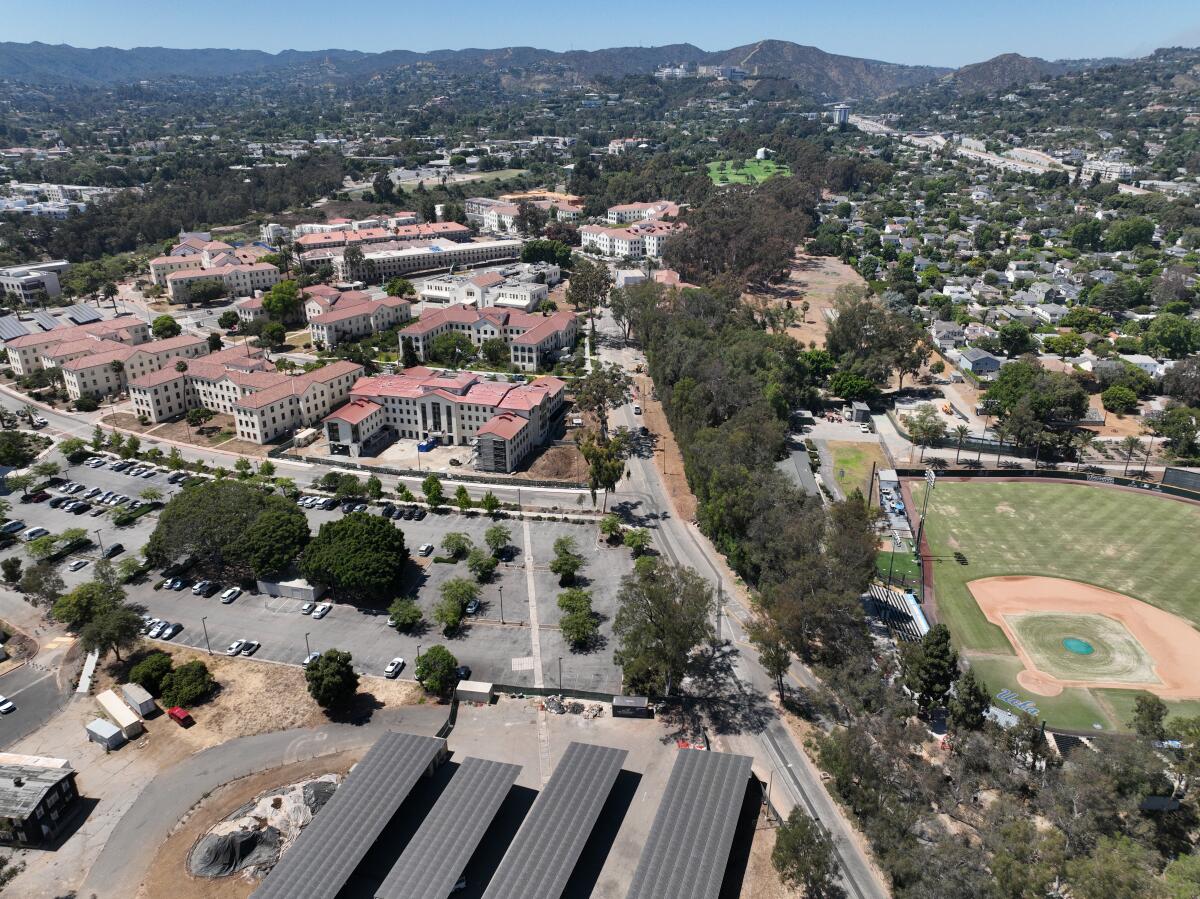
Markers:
{"x": 1072, "y": 709}
{"x": 1134, "y": 543}
{"x": 752, "y": 171}
{"x": 852, "y": 463}
{"x": 1121, "y": 703}
{"x": 905, "y": 571}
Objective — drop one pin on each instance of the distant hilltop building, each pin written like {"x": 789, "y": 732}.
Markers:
{"x": 841, "y": 113}
{"x": 687, "y": 70}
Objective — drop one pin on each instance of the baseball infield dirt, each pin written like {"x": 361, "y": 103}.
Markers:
{"x": 1171, "y": 642}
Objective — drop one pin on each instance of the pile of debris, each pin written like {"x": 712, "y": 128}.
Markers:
{"x": 253, "y": 837}
{"x": 557, "y": 706}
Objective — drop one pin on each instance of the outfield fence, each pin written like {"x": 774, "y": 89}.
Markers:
{"x": 1053, "y": 475}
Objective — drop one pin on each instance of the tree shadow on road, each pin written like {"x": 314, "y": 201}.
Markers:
{"x": 715, "y": 700}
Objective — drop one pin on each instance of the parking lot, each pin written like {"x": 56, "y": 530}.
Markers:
{"x": 503, "y": 642}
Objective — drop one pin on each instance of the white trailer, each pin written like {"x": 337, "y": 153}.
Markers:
{"x": 121, "y": 715}
{"x": 138, "y": 699}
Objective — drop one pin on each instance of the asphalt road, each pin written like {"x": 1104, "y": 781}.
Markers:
{"x": 35, "y": 692}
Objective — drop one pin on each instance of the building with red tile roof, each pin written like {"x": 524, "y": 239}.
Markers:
{"x": 531, "y": 339}
{"x": 458, "y": 407}
{"x": 48, "y": 349}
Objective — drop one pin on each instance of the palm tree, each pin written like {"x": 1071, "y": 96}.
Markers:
{"x": 109, "y": 290}
{"x": 1001, "y": 434}
{"x": 1039, "y": 438}
{"x": 1083, "y": 442}
{"x": 1129, "y": 444}
{"x": 961, "y": 432}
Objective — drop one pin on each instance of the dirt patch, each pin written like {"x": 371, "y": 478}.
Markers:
{"x": 20, "y": 647}
{"x": 1171, "y": 642}
{"x": 168, "y": 874}
{"x": 761, "y": 881}
{"x": 667, "y": 457}
{"x": 278, "y": 695}
{"x": 213, "y": 432}
{"x": 125, "y": 421}
{"x": 1005, "y": 509}
{"x": 557, "y": 463}
{"x": 243, "y": 448}
{"x": 813, "y": 279}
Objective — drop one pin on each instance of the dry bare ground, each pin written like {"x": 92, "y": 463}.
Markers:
{"x": 168, "y": 875}
{"x": 277, "y": 694}
{"x": 667, "y": 456}
{"x": 557, "y": 463}
{"x": 813, "y": 279}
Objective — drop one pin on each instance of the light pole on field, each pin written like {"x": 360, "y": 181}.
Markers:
{"x": 930, "y": 481}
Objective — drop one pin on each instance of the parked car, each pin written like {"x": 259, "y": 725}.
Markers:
{"x": 322, "y": 610}
{"x": 310, "y": 658}
{"x": 171, "y": 631}
{"x": 250, "y": 647}
{"x": 176, "y": 584}
{"x": 76, "y": 564}
{"x": 6, "y": 705}
{"x": 410, "y": 512}
{"x": 199, "y": 587}
{"x": 57, "y": 501}
{"x": 230, "y": 595}
{"x": 180, "y": 716}
{"x": 12, "y": 527}
{"x": 158, "y": 629}
{"x": 425, "y": 550}
{"x": 463, "y": 672}
{"x": 307, "y": 608}
{"x": 473, "y": 607}
{"x": 34, "y": 533}
{"x": 637, "y": 410}
{"x": 150, "y": 623}
{"x": 97, "y": 511}
{"x": 40, "y": 497}
{"x": 388, "y": 510}
{"x": 360, "y": 507}
{"x": 420, "y": 516}
{"x": 235, "y": 647}
{"x": 113, "y": 550}
{"x": 394, "y": 667}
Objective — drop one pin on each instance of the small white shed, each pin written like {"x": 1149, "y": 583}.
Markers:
{"x": 138, "y": 699}
{"x": 105, "y": 733}
{"x": 474, "y": 691}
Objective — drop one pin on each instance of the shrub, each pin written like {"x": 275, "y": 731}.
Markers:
{"x": 187, "y": 685}
{"x": 151, "y": 671}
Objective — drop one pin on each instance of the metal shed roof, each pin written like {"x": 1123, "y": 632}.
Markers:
{"x": 438, "y": 852}
{"x": 23, "y": 787}
{"x": 81, "y": 314}
{"x": 688, "y": 848}
{"x": 326, "y": 853}
{"x": 543, "y": 854}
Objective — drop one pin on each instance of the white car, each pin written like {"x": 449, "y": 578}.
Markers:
{"x": 250, "y": 647}
{"x": 394, "y": 667}
{"x": 310, "y": 658}
{"x": 235, "y": 647}
{"x": 34, "y": 533}
{"x": 865, "y": 428}
{"x": 322, "y": 610}
{"x": 307, "y": 608}
{"x": 231, "y": 594}
{"x": 200, "y": 587}
{"x": 425, "y": 550}
{"x": 77, "y": 564}
{"x": 6, "y": 705}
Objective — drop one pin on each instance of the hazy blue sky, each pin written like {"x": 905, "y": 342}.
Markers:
{"x": 917, "y": 31}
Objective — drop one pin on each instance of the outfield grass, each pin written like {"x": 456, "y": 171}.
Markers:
{"x": 753, "y": 171}
{"x": 1134, "y": 543}
{"x": 904, "y": 569}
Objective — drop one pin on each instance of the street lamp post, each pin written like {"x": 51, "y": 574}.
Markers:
{"x": 99, "y": 541}
{"x": 560, "y": 672}
{"x": 307, "y": 648}
{"x": 502, "y": 604}
{"x": 418, "y": 652}
{"x": 203, "y": 624}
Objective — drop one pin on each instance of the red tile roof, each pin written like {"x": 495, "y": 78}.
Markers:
{"x": 505, "y": 426}
{"x": 354, "y": 411}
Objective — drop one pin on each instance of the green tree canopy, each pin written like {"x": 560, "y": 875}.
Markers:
{"x": 165, "y": 326}
{"x": 664, "y": 612}
{"x": 332, "y": 681}
{"x": 275, "y": 540}
{"x": 436, "y": 670}
{"x": 187, "y": 685}
{"x": 360, "y": 554}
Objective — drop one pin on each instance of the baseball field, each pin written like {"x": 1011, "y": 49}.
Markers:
{"x": 1071, "y": 597}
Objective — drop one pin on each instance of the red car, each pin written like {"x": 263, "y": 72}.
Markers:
{"x": 180, "y": 716}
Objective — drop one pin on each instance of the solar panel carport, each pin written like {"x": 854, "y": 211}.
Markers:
{"x": 328, "y": 850}
{"x": 688, "y": 849}
{"x": 438, "y": 852}
{"x": 543, "y": 854}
